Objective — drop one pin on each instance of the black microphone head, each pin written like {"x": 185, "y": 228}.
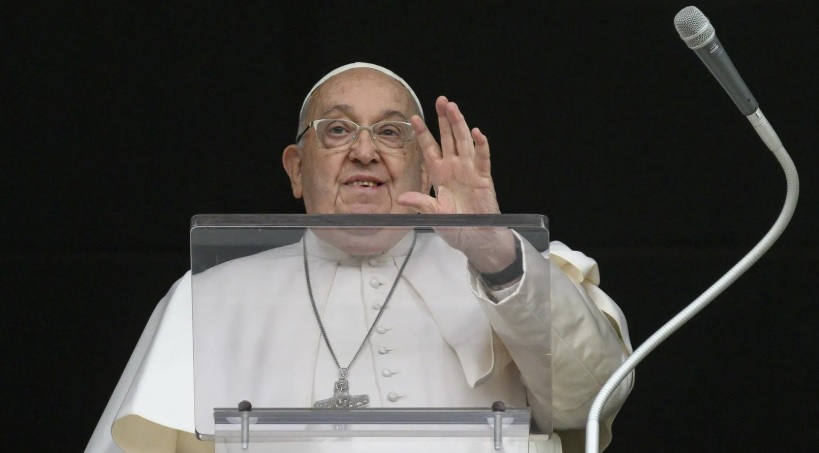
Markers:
{"x": 693, "y": 27}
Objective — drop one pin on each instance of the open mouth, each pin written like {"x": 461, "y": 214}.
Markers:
{"x": 364, "y": 184}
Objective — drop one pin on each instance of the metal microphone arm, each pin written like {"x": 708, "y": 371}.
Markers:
{"x": 768, "y": 135}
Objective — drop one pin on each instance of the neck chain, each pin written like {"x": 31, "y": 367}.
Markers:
{"x": 342, "y": 399}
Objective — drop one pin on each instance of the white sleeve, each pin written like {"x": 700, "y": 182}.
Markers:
{"x": 588, "y": 334}
{"x": 151, "y": 408}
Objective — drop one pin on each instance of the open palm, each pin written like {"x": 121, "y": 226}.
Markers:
{"x": 460, "y": 173}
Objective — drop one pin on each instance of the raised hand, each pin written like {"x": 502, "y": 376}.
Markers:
{"x": 460, "y": 173}
{"x": 459, "y": 169}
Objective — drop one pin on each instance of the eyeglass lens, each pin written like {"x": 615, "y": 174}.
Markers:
{"x": 337, "y": 133}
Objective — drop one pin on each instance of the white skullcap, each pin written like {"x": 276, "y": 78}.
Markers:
{"x": 347, "y": 67}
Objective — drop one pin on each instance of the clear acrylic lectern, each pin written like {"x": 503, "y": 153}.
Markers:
{"x": 370, "y": 332}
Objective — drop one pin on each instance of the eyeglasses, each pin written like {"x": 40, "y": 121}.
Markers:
{"x": 337, "y": 133}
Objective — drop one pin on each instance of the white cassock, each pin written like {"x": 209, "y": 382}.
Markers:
{"x": 445, "y": 340}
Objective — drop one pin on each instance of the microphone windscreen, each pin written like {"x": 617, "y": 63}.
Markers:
{"x": 693, "y": 27}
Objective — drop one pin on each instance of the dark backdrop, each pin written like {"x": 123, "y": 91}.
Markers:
{"x": 125, "y": 119}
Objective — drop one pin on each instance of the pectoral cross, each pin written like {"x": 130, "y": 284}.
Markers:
{"x": 341, "y": 398}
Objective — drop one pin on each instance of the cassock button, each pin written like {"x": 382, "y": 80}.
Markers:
{"x": 376, "y": 306}
{"x": 384, "y": 350}
{"x": 375, "y": 283}
{"x": 393, "y": 397}
{"x": 386, "y": 372}
{"x": 375, "y": 260}
{"x": 382, "y": 330}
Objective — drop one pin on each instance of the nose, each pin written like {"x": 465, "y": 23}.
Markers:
{"x": 363, "y": 148}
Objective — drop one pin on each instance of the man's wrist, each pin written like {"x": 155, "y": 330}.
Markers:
{"x": 507, "y": 275}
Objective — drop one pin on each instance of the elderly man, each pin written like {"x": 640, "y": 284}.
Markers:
{"x": 363, "y": 148}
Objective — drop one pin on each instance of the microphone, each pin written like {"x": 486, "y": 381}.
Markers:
{"x": 698, "y": 33}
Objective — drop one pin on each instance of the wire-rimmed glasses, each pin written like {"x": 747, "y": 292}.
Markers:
{"x": 336, "y": 134}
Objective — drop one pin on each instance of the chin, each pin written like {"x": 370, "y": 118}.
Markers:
{"x": 366, "y": 209}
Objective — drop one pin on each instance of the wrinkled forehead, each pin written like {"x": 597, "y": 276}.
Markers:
{"x": 348, "y": 76}
{"x": 362, "y": 91}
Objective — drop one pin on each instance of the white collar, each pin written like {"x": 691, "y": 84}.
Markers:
{"x": 317, "y": 247}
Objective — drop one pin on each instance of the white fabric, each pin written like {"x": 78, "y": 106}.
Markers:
{"x": 347, "y": 67}
{"x": 156, "y": 390}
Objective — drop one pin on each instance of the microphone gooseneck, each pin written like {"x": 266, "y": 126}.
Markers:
{"x": 698, "y": 33}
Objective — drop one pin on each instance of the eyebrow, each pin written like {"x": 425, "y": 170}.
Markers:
{"x": 348, "y": 109}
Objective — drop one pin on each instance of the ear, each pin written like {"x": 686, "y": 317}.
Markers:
{"x": 292, "y": 161}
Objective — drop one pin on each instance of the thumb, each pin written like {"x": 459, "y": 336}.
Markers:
{"x": 422, "y": 203}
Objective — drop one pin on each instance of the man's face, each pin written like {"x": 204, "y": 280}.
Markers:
{"x": 359, "y": 179}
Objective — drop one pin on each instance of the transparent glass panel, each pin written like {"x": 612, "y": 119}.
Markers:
{"x": 410, "y": 318}
{"x": 374, "y": 430}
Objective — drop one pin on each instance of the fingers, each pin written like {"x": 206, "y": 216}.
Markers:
{"x": 460, "y": 131}
{"x": 423, "y": 204}
{"x": 429, "y": 147}
{"x": 456, "y": 138}
{"x": 444, "y": 126}
{"x": 481, "y": 150}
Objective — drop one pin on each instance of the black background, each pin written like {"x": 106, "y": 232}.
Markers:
{"x": 125, "y": 119}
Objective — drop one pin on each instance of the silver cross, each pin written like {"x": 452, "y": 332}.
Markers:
{"x": 342, "y": 399}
